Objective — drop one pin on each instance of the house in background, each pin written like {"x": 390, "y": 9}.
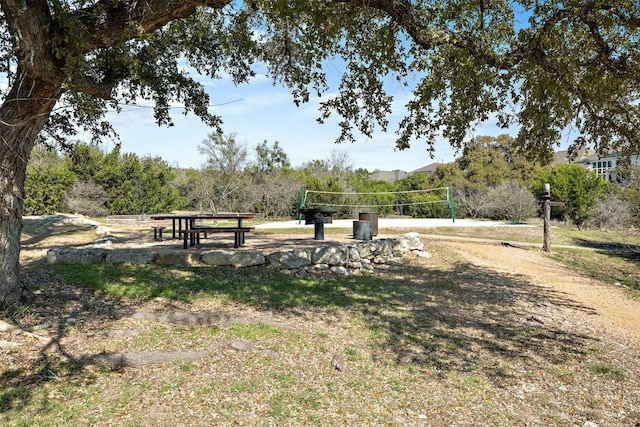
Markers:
{"x": 388, "y": 176}
{"x": 429, "y": 169}
{"x": 606, "y": 167}
{"x": 395, "y": 175}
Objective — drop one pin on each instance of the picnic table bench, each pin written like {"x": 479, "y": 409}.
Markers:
{"x": 192, "y": 235}
{"x": 157, "y": 232}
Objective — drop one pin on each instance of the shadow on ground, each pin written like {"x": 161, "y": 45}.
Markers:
{"x": 456, "y": 317}
{"x": 35, "y": 230}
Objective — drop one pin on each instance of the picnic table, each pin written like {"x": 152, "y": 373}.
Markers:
{"x": 185, "y": 226}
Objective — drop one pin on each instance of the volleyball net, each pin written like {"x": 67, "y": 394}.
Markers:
{"x": 420, "y": 203}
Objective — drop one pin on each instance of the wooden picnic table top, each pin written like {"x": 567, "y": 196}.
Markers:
{"x": 226, "y": 215}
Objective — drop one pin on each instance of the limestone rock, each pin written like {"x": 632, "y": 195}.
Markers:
{"x": 289, "y": 259}
{"x": 408, "y": 242}
{"x": 337, "y": 363}
{"x": 131, "y": 256}
{"x": 331, "y": 255}
{"x": 65, "y": 255}
{"x": 234, "y": 258}
{"x": 179, "y": 258}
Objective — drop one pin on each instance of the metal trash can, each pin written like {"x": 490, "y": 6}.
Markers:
{"x": 362, "y": 230}
{"x": 370, "y": 216}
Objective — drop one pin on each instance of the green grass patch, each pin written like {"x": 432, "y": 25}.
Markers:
{"x": 560, "y": 235}
{"x": 606, "y": 370}
{"x": 613, "y": 268}
{"x": 520, "y": 234}
{"x": 253, "y": 332}
{"x": 254, "y": 286}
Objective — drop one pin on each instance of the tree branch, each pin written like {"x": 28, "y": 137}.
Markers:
{"x": 402, "y": 13}
{"x": 109, "y": 22}
{"x": 28, "y": 23}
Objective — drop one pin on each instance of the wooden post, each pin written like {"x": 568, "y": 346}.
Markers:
{"x": 546, "y": 200}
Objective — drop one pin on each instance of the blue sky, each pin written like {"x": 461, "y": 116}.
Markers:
{"x": 260, "y": 111}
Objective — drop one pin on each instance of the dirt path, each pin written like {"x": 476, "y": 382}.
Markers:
{"x": 610, "y": 309}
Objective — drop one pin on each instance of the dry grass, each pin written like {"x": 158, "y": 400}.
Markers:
{"x": 435, "y": 342}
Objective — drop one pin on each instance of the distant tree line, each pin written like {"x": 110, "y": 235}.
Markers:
{"x": 493, "y": 180}
{"x": 490, "y": 179}
{"x": 91, "y": 182}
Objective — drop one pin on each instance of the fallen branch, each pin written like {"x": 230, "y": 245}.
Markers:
{"x": 143, "y": 358}
{"x": 204, "y": 319}
{"x": 8, "y": 327}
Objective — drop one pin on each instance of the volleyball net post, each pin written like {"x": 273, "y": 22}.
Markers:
{"x": 451, "y": 206}
{"x": 301, "y": 203}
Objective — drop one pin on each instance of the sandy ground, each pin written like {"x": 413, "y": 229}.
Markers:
{"x": 611, "y": 310}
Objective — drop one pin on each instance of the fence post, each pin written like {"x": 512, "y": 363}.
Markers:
{"x": 451, "y": 207}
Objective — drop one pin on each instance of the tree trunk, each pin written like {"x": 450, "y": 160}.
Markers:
{"x": 22, "y": 116}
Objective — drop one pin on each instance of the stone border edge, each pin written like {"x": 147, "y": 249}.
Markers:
{"x": 334, "y": 258}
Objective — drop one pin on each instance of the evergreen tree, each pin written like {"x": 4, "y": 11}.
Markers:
{"x": 46, "y": 182}
{"x": 577, "y": 187}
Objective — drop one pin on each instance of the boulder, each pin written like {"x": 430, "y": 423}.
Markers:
{"x": 408, "y": 242}
{"x": 66, "y": 255}
{"x": 178, "y": 258}
{"x": 234, "y": 258}
{"x": 131, "y": 256}
{"x": 289, "y": 259}
{"x": 331, "y": 255}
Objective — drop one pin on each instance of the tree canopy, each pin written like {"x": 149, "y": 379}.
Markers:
{"x": 539, "y": 66}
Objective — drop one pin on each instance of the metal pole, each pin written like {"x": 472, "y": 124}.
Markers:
{"x": 301, "y": 204}
{"x": 546, "y": 198}
{"x": 450, "y": 197}
{"x": 318, "y": 227}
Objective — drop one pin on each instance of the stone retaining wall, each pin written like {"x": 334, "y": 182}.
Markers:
{"x": 339, "y": 259}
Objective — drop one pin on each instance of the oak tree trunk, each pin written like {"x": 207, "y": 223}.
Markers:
{"x": 22, "y": 116}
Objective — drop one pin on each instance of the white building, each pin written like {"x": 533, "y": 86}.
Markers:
{"x": 605, "y": 167}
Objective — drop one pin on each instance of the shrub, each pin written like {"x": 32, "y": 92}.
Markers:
{"x": 611, "y": 212}
{"x": 510, "y": 201}
{"x": 86, "y": 198}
